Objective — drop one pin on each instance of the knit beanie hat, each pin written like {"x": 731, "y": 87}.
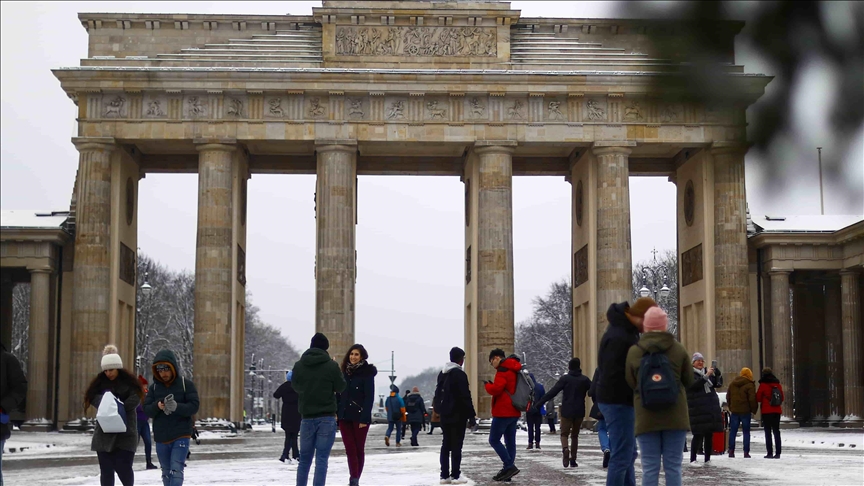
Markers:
{"x": 641, "y": 305}
{"x": 320, "y": 341}
{"x": 142, "y": 380}
{"x": 655, "y": 320}
{"x": 746, "y": 373}
{"x": 110, "y": 359}
{"x": 696, "y": 357}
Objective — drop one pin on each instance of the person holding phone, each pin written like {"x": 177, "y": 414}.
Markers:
{"x": 704, "y": 407}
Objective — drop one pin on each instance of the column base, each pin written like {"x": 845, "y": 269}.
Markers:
{"x": 850, "y": 422}
{"x": 217, "y": 425}
{"x": 79, "y": 425}
{"x": 38, "y": 425}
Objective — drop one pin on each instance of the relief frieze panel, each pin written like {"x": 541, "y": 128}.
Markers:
{"x": 115, "y": 105}
{"x": 595, "y": 110}
{"x": 417, "y": 41}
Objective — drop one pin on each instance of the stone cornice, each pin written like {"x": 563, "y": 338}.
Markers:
{"x": 50, "y": 235}
{"x": 842, "y": 236}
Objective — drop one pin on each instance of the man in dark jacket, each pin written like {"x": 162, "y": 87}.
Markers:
{"x": 416, "y": 410}
{"x": 504, "y": 414}
{"x": 534, "y": 416}
{"x": 453, "y": 403}
{"x": 614, "y": 395}
{"x": 575, "y": 386}
{"x": 171, "y": 402}
{"x": 317, "y": 379}
{"x": 290, "y": 417}
{"x": 13, "y": 393}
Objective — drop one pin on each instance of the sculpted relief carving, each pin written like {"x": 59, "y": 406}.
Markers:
{"x": 276, "y": 107}
{"x": 114, "y": 108}
{"x": 595, "y": 111}
{"x": 554, "y": 111}
{"x": 434, "y": 111}
{"x": 316, "y": 110}
{"x": 397, "y": 110}
{"x": 417, "y": 41}
{"x": 514, "y": 111}
{"x": 154, "y": 108}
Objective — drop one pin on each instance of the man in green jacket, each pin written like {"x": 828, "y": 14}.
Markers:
{"x": 661, "y": 432}
{"x": 317, "y": 379}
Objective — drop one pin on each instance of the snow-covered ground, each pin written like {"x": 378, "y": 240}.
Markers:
{"x": 810, "y": 457}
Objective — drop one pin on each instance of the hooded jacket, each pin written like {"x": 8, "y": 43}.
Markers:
{"x": 763, "y": 394}
{"x": 13, "y": 389}
{"x": 317, "y": 379}
{"x": 620, "y": 335}
{"x": 177, "y": 425}
{"x": 575, "y": 386}
{"x": 675, "y": 417}
{"x": 741, "y": 396}
{"x": 504, "y": 386}
{"x": 415, "y": 407}
{"x": 290, "y": 402}
{"x": 452, "y": 399}
{"x": 356, "y": 402}
{"x": 395, "y": 406}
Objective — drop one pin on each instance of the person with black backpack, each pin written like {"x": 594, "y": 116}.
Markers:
{"x": 658, "y": 371}
{"x": 416, "y": 410}
{"x": 453, "y": 403}
{"x": 770, "y": 397}
{"x": 575, "y": 386}
{"x": 395, "y": 407}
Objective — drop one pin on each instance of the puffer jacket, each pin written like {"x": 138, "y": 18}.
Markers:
{"x": 177, "y": 425}
{"x": 356, "y": 402}
{"x": 741, "y": 396}
{"x": 620, "y": 335}
{"x": 706, "y": 417}
{"x": 504, "y": 386}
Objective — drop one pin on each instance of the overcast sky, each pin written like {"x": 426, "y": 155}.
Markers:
{"x": 410, "y": 234}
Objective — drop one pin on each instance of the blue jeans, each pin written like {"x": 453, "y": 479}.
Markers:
{"x": 3, "y": 445}
{"x": 603, "y": 435}
{"x": 172, "y": 459}
{"x": 744, "y": 420}
{"x": 504, "y": 426}
{"x": 398, "y": 426}
{"x": 668, "y": 445}
{"x": 144, "y": 433}
{"x": 621, "y": 425}
{"x": 316, "y": 439}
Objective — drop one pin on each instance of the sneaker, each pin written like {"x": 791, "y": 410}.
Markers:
{"x": 573, "y": 463}
{"x": 150, "y": 465}
{"x": 606, "y": 455}
{"x": 509, "y": 473}
{"x": 746, "y": 455}
{"x": 565, "y": 452}
{"x": 499, "y": 475}
{"x": 387, "y": 441}
{"x": 458, "y": 481}
{"x": 446, "y": 481}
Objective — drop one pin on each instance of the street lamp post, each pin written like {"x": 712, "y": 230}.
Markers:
{"x": 655, "y": 269}
{"x": 145, "y": 288}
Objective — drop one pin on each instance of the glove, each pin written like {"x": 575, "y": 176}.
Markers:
{"x": 170, "y": 405}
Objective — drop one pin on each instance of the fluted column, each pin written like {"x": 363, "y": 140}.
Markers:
{"x": 781, "y": 336}
{"x": 91, "y": 279}
{"x": 38, "y": 340}
{"x": 213, "y": 278}
{"x": 614, "y": 259}
{"x": 731, "y": 278}
{"x": 834, "y": 351}
{"x": 6, "y": 289}
{"x": 335, "y": 270}
{"x": 495, "y": 321}
{"x": 853, "y": 378}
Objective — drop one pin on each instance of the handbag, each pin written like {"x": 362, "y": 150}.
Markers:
{"x": 111, "y": 414}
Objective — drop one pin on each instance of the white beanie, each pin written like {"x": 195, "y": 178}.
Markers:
{"x": 110, "y": 359}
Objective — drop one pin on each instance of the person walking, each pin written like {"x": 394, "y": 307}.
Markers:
{"x": 770, "y": 397}
{"x": 317, "y": 379}
{"x": 614, "y": 395}
{"x": 741, "y": 397}
{"x": 13, "y": 393}
{"x": 115, "y": 451}
{"x": 703, "y": 407}
{"x": 551, "y": 418}
{"x": 660, "y": 429}
{"x": 355, "y": 408}
{"x": 416, "y": 410}
{"x": 434, "y": 420}
{"x": 504, "y": 414}
{"x": 602, "y": 432}
{"x": 144, "y": 426}
{"x": 290, "y": 418}
{"x": 452, "y": 400}
{"x": 534, "y": 416}
{"x": 575, "y": 386}
{"x": 405, "y": 420}
{"x": 171, "y": 402}
{"x": 395, "y": 408}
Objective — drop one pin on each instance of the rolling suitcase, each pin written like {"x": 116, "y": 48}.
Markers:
{"x": 719, "y": 440}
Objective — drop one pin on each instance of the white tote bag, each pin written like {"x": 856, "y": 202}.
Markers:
{"x": 111, "y": 414}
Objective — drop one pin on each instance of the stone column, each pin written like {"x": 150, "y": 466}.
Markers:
{"x": 853, "y": 379}
{"x": 6, "y": 289}
{"x": 834, "y": 351}
{"x": 495, "y": 321}
{"x": 731, "y": 278}
{"x": 91, "y": 279}
{"x": 781, "y": 336}
{"x": 213, "y": 277}
{"x": 335, "y": 271}
{"x": 614, "y": 259}
{"x": 38, "y": 344}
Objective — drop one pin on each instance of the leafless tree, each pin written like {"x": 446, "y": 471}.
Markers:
{"x": 544, "y": 341}
{"x": 666, "y": 264}
{"x": 21, "y": 322}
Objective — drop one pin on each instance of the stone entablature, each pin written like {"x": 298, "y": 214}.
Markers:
{"x": 843, "y": 249}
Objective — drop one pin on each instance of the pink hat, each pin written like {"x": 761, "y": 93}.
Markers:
{"x": 655, "y": 320}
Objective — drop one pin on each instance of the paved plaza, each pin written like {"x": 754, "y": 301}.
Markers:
{"x": 810, "y": 457}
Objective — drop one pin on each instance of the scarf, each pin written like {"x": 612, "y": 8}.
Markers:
{"x": 707, "y": 381}
{"x": 351, "y": 368}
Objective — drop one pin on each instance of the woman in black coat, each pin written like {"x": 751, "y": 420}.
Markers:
{"x": 290, "y": 418}
{"x": 705, "y": 414}
{"x": 355, "y": 408}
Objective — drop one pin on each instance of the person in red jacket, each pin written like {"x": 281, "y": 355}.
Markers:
{"x": 504, "y": 414}
{"x": 770, "y": 413}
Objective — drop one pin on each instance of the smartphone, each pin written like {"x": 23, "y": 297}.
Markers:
{"x": 714, "y": 363}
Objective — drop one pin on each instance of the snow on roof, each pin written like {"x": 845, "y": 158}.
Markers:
{"x": 828, "y": 223}
{"x": 26, "y": 218}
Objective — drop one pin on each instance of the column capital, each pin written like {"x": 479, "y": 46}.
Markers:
{"x": 613, "y": 148}
{"x": 482, "y": 147}
{"x": 729, "y": 148}
{"x": 206, "y": 145}
{"x": 852, "y": 272}
{"x": 345, "y": 145}
{"x": 84, "y": 144}
{"x": 40, "y": 270}
{"x": 779, "y": 272}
